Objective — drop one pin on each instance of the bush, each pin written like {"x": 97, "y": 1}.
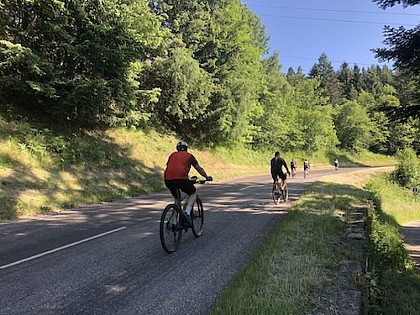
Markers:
{"x": 407, "y": 173}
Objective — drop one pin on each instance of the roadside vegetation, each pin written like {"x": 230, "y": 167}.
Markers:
{"x": 391, "y": 282}
{"x": 298, "y": 269}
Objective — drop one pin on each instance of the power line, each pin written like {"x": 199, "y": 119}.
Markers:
{"x": 331, "y": 10}
{"x": 335, "y": 20}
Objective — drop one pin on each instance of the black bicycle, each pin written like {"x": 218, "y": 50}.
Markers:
{"x": 172, "y": 224}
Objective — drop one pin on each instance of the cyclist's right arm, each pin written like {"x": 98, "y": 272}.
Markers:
{"x": 200, "y": 170}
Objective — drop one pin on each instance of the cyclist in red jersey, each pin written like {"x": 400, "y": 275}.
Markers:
{"x": 176, "y": 175}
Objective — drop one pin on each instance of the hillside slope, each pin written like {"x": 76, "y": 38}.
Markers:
{"x": 43, "y": 169}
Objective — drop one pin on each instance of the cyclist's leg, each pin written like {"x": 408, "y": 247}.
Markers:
{"x": 274, "y": 177}
{"x": 283, "y": 178}
{"x": 172, "y": 185}
{"x": 190, "y": 201}
{"x": 189, "y": 188}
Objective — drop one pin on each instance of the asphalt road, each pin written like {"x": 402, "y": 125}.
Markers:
{"x": 107, "y": 258}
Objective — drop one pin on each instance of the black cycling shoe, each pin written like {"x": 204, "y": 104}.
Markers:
{"x": 186, "y": 220}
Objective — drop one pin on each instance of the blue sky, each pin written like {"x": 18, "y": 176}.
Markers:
{"x": 346, "y": 30}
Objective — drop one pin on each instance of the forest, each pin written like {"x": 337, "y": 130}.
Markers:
{"x": 200, "y": 70}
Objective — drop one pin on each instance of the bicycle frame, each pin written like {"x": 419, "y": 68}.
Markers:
{"x": 171, "y": 222}
{"x": 279, "y": 193}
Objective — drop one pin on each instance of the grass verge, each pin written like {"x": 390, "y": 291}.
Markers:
{"x": 297, "y": 268}
{"x": 391, "y": 282}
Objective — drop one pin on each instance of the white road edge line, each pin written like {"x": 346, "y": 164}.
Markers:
{"x": 60, "y": 248}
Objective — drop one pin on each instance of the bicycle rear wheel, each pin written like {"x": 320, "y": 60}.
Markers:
{"x": 197, "y": 218}
{"x": 170, "y": 228}
{"x": 276, "y": 195}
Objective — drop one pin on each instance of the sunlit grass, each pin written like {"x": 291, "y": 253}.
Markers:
{"x": 397, "y": 202}
{"x": 295, "y": 269}
{"x": 388, "y": 263}
{"x": 298, "y": 263}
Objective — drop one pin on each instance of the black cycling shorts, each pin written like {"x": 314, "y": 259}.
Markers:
{"x": 184, "y": 185}
{"x": 276, "y": 176}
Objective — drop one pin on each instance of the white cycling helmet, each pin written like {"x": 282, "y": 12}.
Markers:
{"x": 182, "y": 146}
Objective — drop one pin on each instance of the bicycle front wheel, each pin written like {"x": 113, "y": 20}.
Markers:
{"x": 170, "y": 228}
{"x": 197, "y": 218}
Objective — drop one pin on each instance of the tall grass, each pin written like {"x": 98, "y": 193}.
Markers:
{"x": 394, "y": 282}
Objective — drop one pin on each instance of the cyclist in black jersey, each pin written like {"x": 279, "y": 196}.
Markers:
{"x": 277, "y": 163}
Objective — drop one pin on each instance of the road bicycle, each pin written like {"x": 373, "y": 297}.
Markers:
{"x": 279, "y": 194}
{"x": 172, "y": 224}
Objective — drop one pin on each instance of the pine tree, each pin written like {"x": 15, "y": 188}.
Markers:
{"x": 328, "y": 78}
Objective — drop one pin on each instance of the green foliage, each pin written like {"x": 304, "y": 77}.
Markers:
{"x": 71, "y": 59}
{"x": 390, "y": 283}
{"x": 386, "y": 243}
{"x": 277, "y": 122}
{"x": 193, "y": 68}
{"x": 313, "y": 127}
{"x": 353, "y": 126}
{"x": 407, "y": 173}
{"x": 24, "y": 75}
{"x": 345, "y": 76}
{"x": 185, "y": 91}
{"x": 404, "y": 50}
{"x": 330, "y": 85}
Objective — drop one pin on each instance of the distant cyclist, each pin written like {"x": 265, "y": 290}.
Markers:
{"x": 176, "y": 176}
{"x": 293, "y": 167}
{"x": 277, "y": 163}
{"x": 306, "y": 168}
{"x": 336, "y": 164}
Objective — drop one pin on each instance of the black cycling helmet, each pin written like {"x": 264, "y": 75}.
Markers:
{"x": 182, "y": 146}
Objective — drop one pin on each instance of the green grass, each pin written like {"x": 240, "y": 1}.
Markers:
{"x": 396, "y": 201}
{"x": 297, "y": 268}
{"x": 387, "y": 262}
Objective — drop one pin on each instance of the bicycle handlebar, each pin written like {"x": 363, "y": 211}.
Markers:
{"x": 195, "y": 180}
